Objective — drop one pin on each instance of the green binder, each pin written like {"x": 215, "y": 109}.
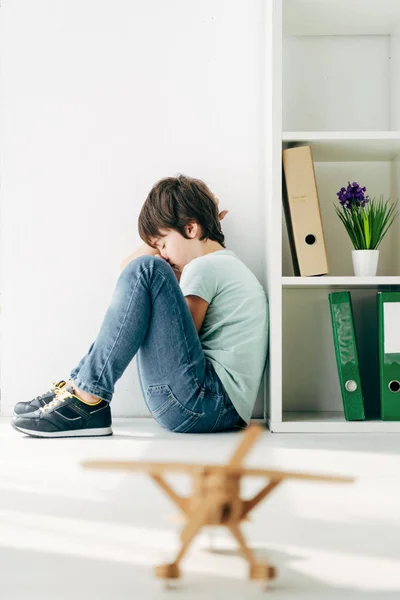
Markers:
{"x": 346, "y": 355}
{"x": 389, "y": 354}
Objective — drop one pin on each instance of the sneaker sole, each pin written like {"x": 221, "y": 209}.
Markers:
{"x": 59, "y": 434}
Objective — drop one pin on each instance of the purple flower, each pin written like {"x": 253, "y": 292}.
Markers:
{"x": 353, "y": 196}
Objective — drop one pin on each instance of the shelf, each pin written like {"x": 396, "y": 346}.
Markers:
{"x": 329, "y": 422}
{"x": 342, "y": 282}
{"x": 345, "y": 146}
{"x": 340, "y": 17}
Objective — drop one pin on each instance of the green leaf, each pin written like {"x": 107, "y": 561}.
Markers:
{"x": 367, "y": 231}
{"x": 367, "y": 226}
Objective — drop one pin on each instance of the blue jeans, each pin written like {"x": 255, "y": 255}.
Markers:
{"x": 148, "y": 317}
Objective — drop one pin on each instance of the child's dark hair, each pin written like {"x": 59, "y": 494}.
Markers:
{"x": 174, "y": 202}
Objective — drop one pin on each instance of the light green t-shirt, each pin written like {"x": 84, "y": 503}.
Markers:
{"x": 234, "y": 334}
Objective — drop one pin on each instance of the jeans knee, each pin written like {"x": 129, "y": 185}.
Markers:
{"x": 138, "y": 264}
{"x": 146, "y": 260}
{"x": 148, "y": 265}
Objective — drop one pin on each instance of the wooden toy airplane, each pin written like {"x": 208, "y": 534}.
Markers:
{"x": 216, "y": 497}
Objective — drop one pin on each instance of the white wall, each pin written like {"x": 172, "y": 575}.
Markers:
{"x": 99, "y": 100}
{"x": 394, "y": 79}
{"x": 318, "y": 71}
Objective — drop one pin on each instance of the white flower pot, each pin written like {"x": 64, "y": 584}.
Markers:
{"x": 365, "y": 262}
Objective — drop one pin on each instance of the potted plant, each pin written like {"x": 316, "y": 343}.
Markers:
{"x": 367, "y": 222}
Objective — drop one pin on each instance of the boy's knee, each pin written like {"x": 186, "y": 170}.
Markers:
{"x": 145, "y": 261}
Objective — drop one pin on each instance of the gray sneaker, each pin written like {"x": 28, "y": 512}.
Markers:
{"x": 66, "y": 416}
{"x": 22, "y": 408}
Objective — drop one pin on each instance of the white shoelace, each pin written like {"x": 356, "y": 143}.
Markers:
{"x": 57, "y": 400}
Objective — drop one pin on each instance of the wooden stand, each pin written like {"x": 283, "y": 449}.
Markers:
{"x": 216, "y": 498}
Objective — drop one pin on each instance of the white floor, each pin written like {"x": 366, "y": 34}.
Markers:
{"x": 67, "y": 532}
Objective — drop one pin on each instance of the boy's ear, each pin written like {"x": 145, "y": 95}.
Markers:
{"x": 192, "y": 229}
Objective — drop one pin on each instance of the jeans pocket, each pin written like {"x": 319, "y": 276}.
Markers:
{"x": 168, "y": 411}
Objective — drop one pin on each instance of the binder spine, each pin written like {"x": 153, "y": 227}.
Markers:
{"x": 302, "y": 212}
{"x": 346, "y": 355}
{"x": 389, "y": 361}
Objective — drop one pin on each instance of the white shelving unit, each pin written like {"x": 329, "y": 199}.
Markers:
{"x": 333, "y": 74}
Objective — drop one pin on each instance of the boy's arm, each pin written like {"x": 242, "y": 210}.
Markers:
{"x": 198, "y": 308}
{"x": 143, "y": 250}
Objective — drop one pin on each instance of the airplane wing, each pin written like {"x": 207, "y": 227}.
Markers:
{"x": 194, "y": 469}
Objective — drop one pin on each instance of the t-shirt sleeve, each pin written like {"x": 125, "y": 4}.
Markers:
{"x": 199, "y": 278}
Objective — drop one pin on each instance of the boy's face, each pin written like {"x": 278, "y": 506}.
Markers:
{"x": 176, "y": 249}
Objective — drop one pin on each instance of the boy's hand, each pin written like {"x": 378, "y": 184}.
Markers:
{"x": 223, "y": 213}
